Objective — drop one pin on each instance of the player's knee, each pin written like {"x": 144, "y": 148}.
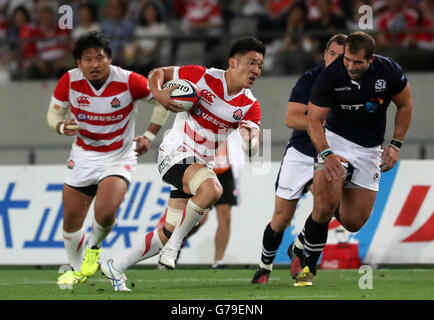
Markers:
{"x": 325, "y": 207}
{"x": 212, "y": 188}
{"x": 105, "y": 208}
{"x": 203, "y": 177}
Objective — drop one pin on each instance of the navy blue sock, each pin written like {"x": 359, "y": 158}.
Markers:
{"x": 315, "y": 239}
{"x": 270, "y": 243}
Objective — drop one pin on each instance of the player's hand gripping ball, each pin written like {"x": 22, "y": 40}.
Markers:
{"x": 187, "y": 94}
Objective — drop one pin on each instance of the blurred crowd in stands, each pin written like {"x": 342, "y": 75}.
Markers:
{"x": 148, "y": 33}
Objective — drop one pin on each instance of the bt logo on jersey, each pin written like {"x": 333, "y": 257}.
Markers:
{"x": 351, "y": 107}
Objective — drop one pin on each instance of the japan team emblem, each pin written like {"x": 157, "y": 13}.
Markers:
{"x": 70, "y": 164}
{"x": 238, "y": 114}
{"x": 115, "y": 103}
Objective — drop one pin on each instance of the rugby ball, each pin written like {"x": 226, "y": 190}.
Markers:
{"x": 187, "y": 94}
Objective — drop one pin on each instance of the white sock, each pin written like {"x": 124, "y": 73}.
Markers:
{"x": 74, "y": 246}
{"x": 98, "y": 234}
{"x": 147, "y": 248}
{"x": 190, "y": 217}
{"x": 266, "y": 266}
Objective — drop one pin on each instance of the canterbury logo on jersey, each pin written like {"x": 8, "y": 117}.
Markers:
{"x": 83, "y": 101}
{"x": 207, "y": 96}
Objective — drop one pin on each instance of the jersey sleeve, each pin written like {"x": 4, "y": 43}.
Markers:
{"x": 398, "y": 79}
{"x": 321, "y": 93}
{"x": 138, "y": 86}
{"x": 192, "y": 73}
{"x": 254, "y": 114}
{"x": 61, "y": 93}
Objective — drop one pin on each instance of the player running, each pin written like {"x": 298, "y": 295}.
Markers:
{"x": 186, "y": 155}
{"x": 352, "y": 96}
{"x": 102, "y": 101}
{"x": 296, "y": 169}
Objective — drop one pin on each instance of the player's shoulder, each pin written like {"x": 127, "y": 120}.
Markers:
{"x": 314, "y": 72}
{"x": 336, "y": 68}
{"x": 191, "y": 72}
{"x": 332, "y": 74}
{"x": 309, "y": 77}
{"x": 74, "y": 75}
{"x": 120, "y": 74}
{"x": 249, "y": 95}
{"x": 385, "y": 64}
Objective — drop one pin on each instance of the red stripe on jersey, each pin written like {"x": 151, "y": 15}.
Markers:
{"x": 240, "y": 101}
{"x": 83, "y": 87}
{"x": 191, "y": 72}
{"x": 205, "y": 157}
{"x": 103, "y": 136}
{"x": 104, "y": 148}
{"x": 210, "y": 121}
{"x": 216, "y": 85}
{"x": 199, "y": 139}
{"x": 102, "y": 119}
{"x": 112, "y": 89}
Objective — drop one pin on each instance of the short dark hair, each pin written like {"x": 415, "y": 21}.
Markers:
{"x": 339, "y": 38}
{"x": 359, "y": 40}
{"x": 92, "y": 39}
{"x": 244, "y": 45}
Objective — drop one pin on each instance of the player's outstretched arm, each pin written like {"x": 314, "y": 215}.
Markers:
{"x": 404, "y": 104}
{"x": 158, "y": 119}
{"x": 143, "y": 143}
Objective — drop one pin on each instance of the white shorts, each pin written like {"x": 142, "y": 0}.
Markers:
{"x": 295, "y": 171}
{"x": 171, "y": 153}
{"x": 366, "y": 161}
{"x": 82, "y": 173}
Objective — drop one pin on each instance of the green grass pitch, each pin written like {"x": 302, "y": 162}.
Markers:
{"x": 227, "y": 284}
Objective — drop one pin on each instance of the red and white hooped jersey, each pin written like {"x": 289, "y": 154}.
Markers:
{"x": 203, "y": 129}
{"x": 106, "y": 117}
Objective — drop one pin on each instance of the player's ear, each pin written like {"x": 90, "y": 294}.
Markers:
{"x": 231, "y": 62}
{"x": 372, "y": 58}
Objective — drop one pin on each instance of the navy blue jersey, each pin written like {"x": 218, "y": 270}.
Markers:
{"x": 300, "y": 140}
{"x": 358, "y": 109}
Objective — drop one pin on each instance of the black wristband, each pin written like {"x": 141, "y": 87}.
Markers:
{"x": 396, "y": 143}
